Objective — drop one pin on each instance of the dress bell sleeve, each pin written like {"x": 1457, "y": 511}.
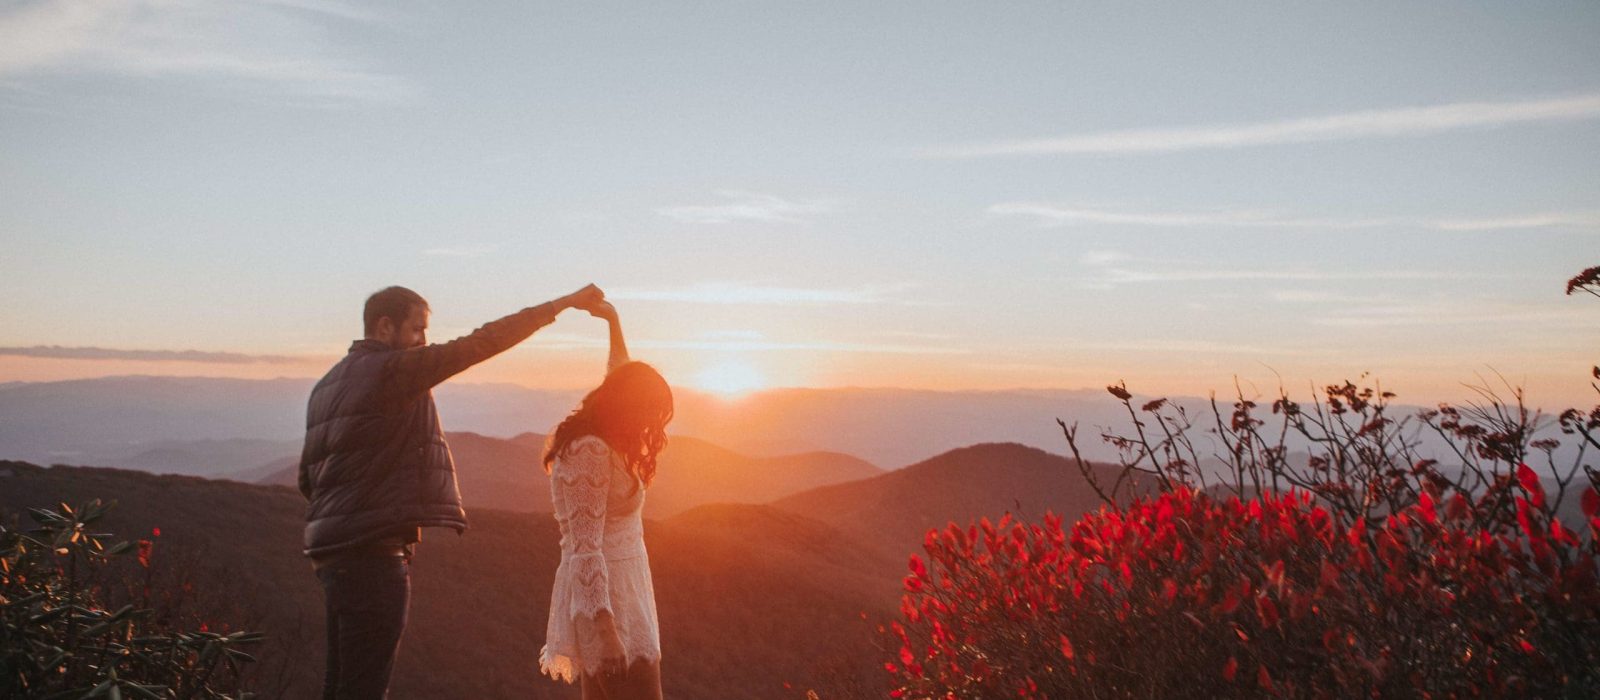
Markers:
{"x": 584, "y": 476}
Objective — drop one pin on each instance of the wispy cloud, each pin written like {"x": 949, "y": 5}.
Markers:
{"x": 734, "y": 293}
{"x": 1453, "y": 314}
{"x": 1555, "y": 220}
{"x": 1056, "y": 215}
{"x": 1377, "y": 123}
{"x": 460, "y": 251}
{"x": 1310, "y": 296}
{"x": 1194, "y": 347}
{"x": 733, "y": 335}
{"x": 93, "y": 353}
{"x": 810, "y": 346}
{"x": 1122, "y": 275}
{"x": 286, "y": 44}
{"x": 1103, "y": 258}
{"x": 744, "y": 206}
{"x": 1108, "y": 269}
{"x": 740, "y": 341}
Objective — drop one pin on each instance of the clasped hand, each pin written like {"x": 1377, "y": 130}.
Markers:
{"x": 592, "y": 300}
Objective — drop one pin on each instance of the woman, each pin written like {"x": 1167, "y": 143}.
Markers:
{"x": 603, "y": 626}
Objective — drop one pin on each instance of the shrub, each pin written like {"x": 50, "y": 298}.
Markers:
{"x": 59, "y": 639}
{"x": 1310, "y": 552}
{"x": 1186, "y": 595}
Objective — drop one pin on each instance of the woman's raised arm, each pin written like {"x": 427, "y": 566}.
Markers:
{"x": 619, "y": 348}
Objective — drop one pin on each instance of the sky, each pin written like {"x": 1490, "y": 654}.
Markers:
{"x": 932, "y": 195}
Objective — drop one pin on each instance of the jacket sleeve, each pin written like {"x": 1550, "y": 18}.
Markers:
{"x": 583, "y": 475}
{"x": 417, "y": 370}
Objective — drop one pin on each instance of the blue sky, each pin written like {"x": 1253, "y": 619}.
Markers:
{"x": 932, "y": 195}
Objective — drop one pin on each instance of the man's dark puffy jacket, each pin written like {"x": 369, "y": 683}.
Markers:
{"x": 375, "y": 462}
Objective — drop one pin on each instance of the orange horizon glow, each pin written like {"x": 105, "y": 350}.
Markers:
{"x": 730, "y": 378}
{"x": 1552, "y": 386}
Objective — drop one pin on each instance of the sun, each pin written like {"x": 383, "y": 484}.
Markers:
{"x": 731, "y": 378}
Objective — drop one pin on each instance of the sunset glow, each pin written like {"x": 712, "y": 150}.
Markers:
{"x": 730, "y": 378}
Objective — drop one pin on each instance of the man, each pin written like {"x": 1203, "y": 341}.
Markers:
{"x": 376, "y": 469}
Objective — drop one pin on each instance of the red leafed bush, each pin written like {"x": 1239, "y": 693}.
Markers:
{"x": 1184, "y": 595}
{"x": 1313, "y": 552}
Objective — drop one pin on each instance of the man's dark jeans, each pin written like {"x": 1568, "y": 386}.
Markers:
{"x": 367, "y": 599}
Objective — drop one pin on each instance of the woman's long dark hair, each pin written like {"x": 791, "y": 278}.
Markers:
{"x": 629, "y": 411}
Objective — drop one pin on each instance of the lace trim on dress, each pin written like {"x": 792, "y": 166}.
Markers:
{"x": 566, "y": 669}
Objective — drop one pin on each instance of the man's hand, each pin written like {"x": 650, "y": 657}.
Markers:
{"x": 581, "y": 299}
{"x": 603, "y": 310}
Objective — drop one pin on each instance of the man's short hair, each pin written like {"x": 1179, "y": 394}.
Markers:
{"x": 393, "y": 303}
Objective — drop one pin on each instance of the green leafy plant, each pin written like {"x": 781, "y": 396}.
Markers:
{"x": 59, "y": 640}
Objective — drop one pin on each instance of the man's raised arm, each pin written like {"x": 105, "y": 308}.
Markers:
{"x": 420, "y": 369}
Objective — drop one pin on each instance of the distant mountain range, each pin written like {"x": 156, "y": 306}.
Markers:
{"x": 181, "y": 424}
{"x": 115, "y": 420}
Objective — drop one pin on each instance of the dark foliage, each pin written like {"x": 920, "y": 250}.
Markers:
{"x": 62, "y": 637}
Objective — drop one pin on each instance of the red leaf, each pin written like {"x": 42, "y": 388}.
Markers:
{"x": 1591, "y": 502}
{"x": 1530, "y": 483}
{"x": 1230, "y": 669}
{"x": 1230, "y": 602}
{"x": 1267, "y": 611}
{"x": 906, "y": 657}
{"x": 1523, "y": 519}
{"x": 1274, "y": 574}
{"x": 1561, "y": 534}
{"x": 1328, "y": 578}
{"x": 1331, "y": 639}
{"x": 1066, "y": 647}
{"x": 918, "y": 568}
{"x": 1264, "y": 679}
{"x": 1425, "y": 504}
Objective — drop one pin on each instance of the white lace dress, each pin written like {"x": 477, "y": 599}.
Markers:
{"x": 603, "y": 561}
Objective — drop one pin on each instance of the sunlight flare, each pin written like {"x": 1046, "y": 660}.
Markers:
{"x": 730, "y": 378}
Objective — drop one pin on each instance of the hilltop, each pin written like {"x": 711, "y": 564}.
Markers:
{"x": 749, "y": 596}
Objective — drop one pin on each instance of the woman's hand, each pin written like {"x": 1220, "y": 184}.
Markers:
{"x": 613, "y": 656}
{"x": 581, "y": 299}
{"x": 602, "y": 309}
{"x": 619, "y": 348}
